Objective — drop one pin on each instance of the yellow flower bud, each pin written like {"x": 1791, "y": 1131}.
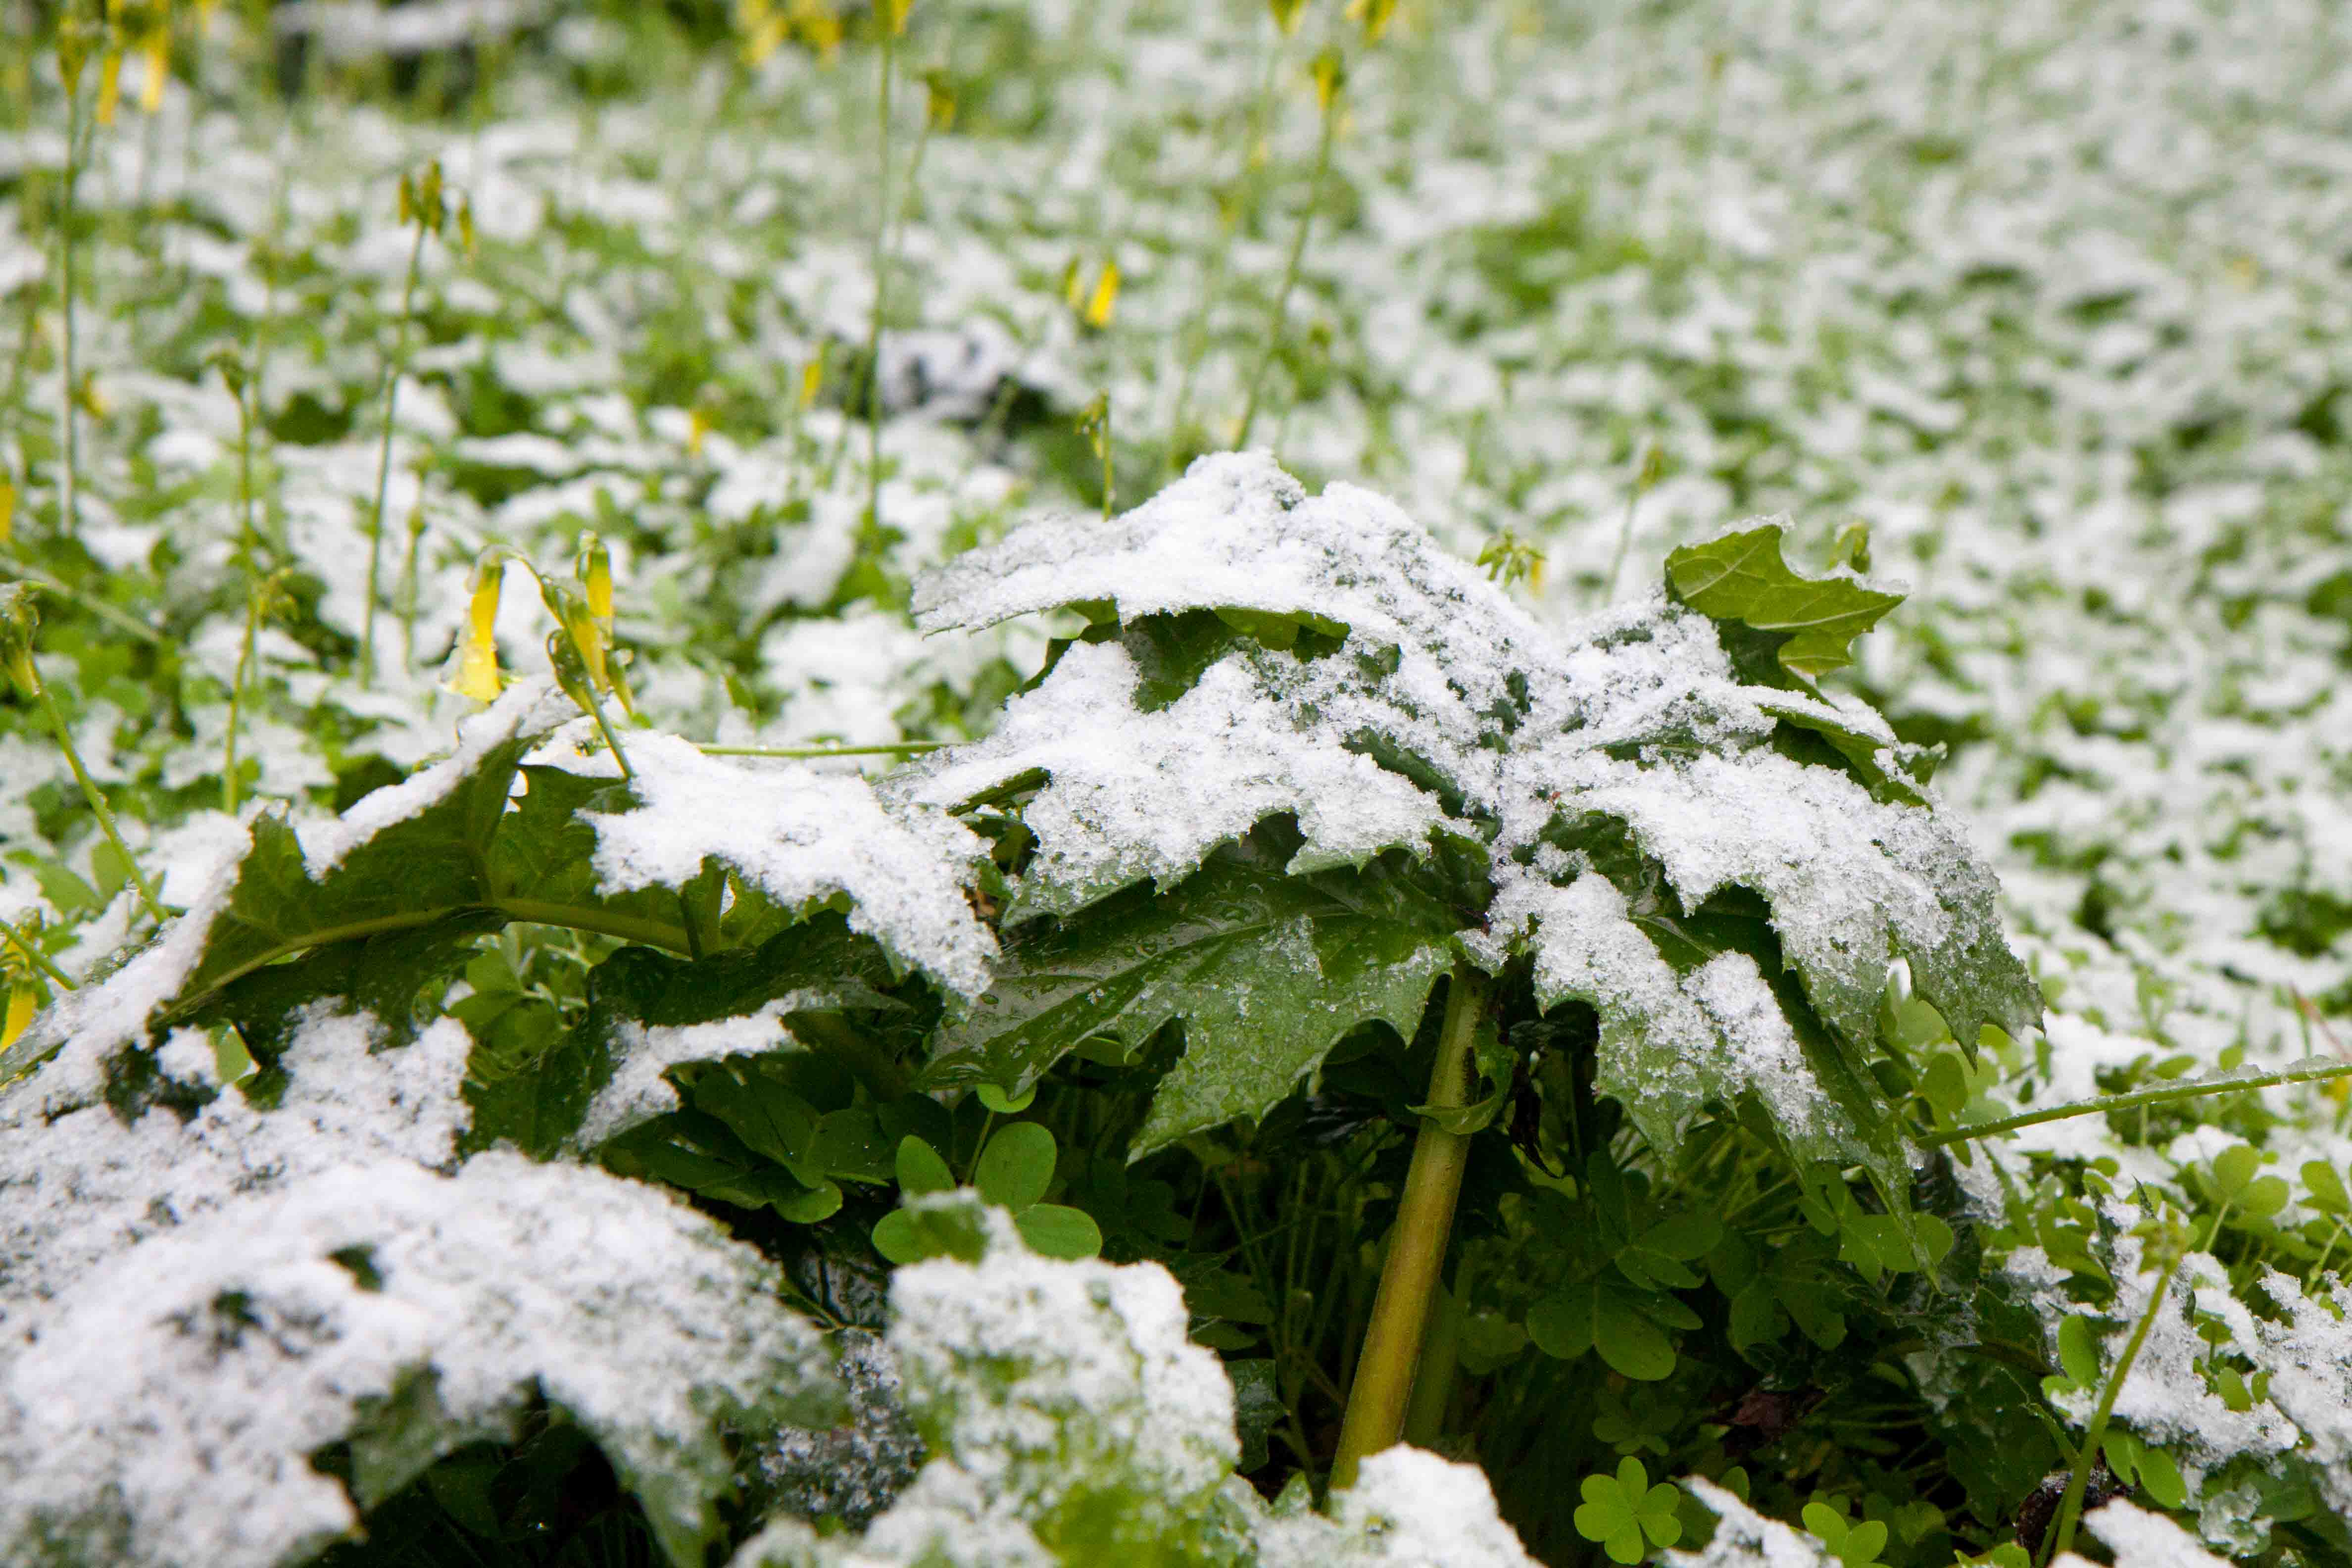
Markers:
{"x": 1105, "y": 295}
{"x": 477, "y": 662}
{"x": 812, "y": 382}
{"x": 23, "y": 1003}
{"x": 7, "y": 512}
{"x": 110, "y": 86}
{"x": 158, "y": 50}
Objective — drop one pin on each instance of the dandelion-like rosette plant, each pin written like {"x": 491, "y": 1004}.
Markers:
{"x": 1301, "y": 763}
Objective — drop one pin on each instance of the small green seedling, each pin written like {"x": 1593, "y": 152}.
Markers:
{"x": 1014, "y": 1168}
{"x": 1626, "y": 1515}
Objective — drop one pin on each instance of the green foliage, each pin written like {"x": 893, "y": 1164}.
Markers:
{"x": 1014, "y": 1172}
{"x": 1805, "y": 626}
{"x": 1628, "y": 1516}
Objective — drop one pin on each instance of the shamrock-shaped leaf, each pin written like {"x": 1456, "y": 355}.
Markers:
{"x": 2235, "y": 1179}
{"x": 1856, "y": 1545}
{"x": 1625, "y": 1514}
{"x": 1014, "y": 1168}
{"x": 2324, "y": 1190}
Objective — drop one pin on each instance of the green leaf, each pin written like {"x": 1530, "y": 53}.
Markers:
{"x": 2325, "y": 1189}
{"x": 1806, "y": 623}
{"x": 1257, "y": 1408}
{"x": 2078, "y": 1351}
{"x": 896, "y": 1238}
{"x": 1017, "y": 1166}
{"x": 920, "y": 1169}
{"x": 1626, "y": 1514}
{"x": 1057, "y": 1230}
{"x": 1620, "y": 1324}
{"x": 1265, "y": 970}
{"x": 1003, "y": 1104}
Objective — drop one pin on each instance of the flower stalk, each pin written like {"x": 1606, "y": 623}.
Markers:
{"x": 1382, "y": 1393}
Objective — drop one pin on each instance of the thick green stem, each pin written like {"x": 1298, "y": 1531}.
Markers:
{"x": 2163, "y": 1094}
{"x": 1276, "y": 326}
{"x": 1433, "y": 1380}
{"x": 1382, "y": 1390}
{"x": 392, "y": 373}
{"x": 2070, "y": 1506}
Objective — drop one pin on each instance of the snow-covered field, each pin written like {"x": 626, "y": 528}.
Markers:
{"x": 2052, "y": 299}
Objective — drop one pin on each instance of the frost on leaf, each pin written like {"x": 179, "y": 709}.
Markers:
{"x": 802, "y": 837}
{"x": 163, "y": 1409}
{"x": 200, "y": 1295}
{"x": 1720, "y": 859}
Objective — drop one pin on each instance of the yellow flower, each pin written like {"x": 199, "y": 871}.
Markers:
{"x": 1106, "y": 296}
{"x": 477, "y": 662}
{"x": 7, "y": 512}
{"x": 23, "y": 1003}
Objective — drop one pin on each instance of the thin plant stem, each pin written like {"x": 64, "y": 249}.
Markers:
{"x": 392, "y": 371}
{"x": 1633, "y": 494}
{"x": 1281, "y": 316}
{"x": 895, "y": 748}
{"x": 248, "y": 535}
{"x": 2163, "y": 1094}
{"x": 97, "y": 802}
{"x": 597, "y": 712}
{"x": 888, "y": 54}
{"x": 2070, "y": 1505}
{"x": 70, "y": 511}
{"x": 253, "y": 612}
{"x": 34, "y": 955}
{"x": 1382, "y": 1388}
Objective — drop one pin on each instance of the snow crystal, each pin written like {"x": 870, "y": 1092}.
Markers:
{"x": 853, "y": 1471}
{"x": 801, "y": 837}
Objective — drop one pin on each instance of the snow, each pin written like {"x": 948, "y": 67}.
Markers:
{"x": 1515, "y": 732}
{"x": 166, "y": 1403}
{"x": 801, "y": 837}
{"x": 1746, "y": 1539}
{"x": 2142, "y": 1540}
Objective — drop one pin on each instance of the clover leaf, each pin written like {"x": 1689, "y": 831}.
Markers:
{"x": 1856, "y": 1545}
{"x": 1625, "y": 1514}
{"x": 1014, "y": 1168}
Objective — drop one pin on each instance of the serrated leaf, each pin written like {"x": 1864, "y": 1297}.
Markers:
{"x": 1808, "y": 623}
{"x": 1767, "y": 851}
{"x": 1265, "y": 970}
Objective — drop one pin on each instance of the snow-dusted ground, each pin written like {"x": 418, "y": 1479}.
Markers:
{"x": 2053, "y": 297}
